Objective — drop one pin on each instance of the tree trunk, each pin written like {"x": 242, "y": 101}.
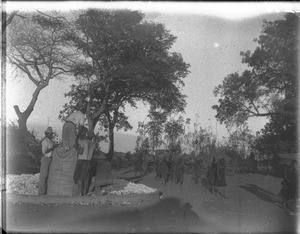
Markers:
{"x": 111, "y": 125}
{"x": 153, "y": 146}
{"x": 23, "y": 116}
{"x": 23, "y": 122}
{"x": 91, "y": 122}
{"x": 111, "y": 142}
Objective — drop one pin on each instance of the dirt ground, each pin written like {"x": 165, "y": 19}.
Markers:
{"x": 248, "y": 204}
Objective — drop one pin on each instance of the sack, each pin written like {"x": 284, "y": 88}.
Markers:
{"x": 61, "y": 172}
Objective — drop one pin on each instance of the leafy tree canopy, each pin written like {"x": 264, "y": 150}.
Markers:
{"x": 269, "y": 86}
{"x": 126, "y": 60}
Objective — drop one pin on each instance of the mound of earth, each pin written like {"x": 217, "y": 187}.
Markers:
{"x": 24, "y": 188}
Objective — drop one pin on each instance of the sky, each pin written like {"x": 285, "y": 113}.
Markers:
{"x": 210, "y": 38}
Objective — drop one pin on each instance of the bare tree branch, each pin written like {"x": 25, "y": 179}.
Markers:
{"x": 25, "y": 70}
{"x": 52, "y": 17}
{"x": 9, "y": 19}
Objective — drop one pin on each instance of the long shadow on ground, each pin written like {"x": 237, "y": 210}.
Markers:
{"x": 263, "y": 194}
{"x": 168, "y": 215}
{"x": 165, "y": 216}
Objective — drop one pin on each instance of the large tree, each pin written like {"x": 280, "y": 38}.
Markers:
{"x": 126, "y": 60}
{"x": 270, "y": 86}
{"x": 36, "y": 47}
{"x": 278, "y": 136}
{"x": 271, "y": 82}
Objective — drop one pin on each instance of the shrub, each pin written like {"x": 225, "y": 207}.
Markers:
{"x": 23, "y": 152}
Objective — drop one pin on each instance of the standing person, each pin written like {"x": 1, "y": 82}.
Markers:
{"x": 171, "y": 165}
{"x": 288, "y": 191}
{"x": 72, "y": 126}
{"x": 164, "y": 170}
{"x": 197, "y": 170}
{"x": 221, "y": 180}
{"x": 179, "y": 171}
{"x": 119, "y": 163}
{"x": 91, "y": 168}
{"x": 182, "y": 169}
{"x": 47, "y": 148}
{"x": 139, "y": 164}
{"x": 83, "y": 161}
{"x": 157, "y": 168}
{"x": 212, "y": 176}
{"x": 92, "y": 171}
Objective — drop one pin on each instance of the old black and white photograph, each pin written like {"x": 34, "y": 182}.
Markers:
{"x": 149, "y": 117}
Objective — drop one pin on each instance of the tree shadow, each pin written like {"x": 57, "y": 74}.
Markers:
{"x": 263, "y": 194}
{"x": 205, "y": 184}
{"x": 165, "y": 216}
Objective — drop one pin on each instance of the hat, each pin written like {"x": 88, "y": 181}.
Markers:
{"x": 49, "y": 130}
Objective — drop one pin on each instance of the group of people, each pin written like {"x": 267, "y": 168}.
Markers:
{"x": 169, "y": 169}
{"x": 173, "y": 169}
{"x": 74, "y": 135}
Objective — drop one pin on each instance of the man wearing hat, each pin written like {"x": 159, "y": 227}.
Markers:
{"x": 47, "y": 147}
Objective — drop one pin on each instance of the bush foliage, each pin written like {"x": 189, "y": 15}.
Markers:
{"x": 23, "y": 152}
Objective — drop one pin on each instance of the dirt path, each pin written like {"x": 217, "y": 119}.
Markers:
{"x": 250, "y": 207}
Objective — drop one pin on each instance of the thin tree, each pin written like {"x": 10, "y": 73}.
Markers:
{"x": 155, "y": 127}
{"x": 174, "y": 128}
{"x": 36, "y": 47}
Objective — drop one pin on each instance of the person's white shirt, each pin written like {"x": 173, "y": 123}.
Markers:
{"x": 88, "y": 149}
{"x": 77, "y": 117}
{"x": 47, "y": 144}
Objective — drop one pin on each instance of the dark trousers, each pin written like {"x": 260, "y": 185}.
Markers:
{"x": 44, "y": 171}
